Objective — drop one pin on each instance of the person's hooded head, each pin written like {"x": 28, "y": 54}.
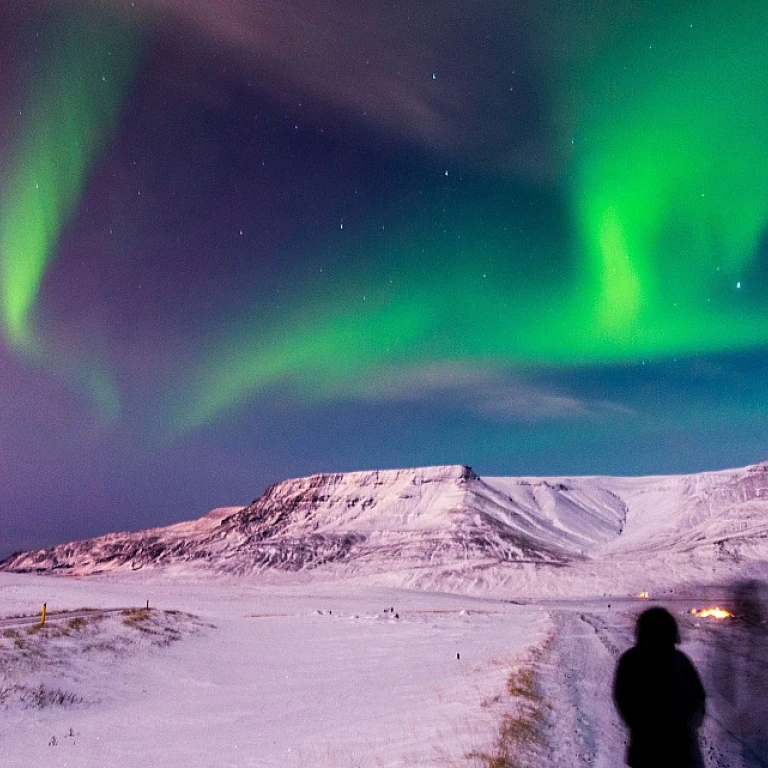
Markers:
{"x": 656, "y": 630}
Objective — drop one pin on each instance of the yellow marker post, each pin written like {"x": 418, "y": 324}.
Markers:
{"x": 42, "y": 614}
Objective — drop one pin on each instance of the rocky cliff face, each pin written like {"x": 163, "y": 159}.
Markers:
{"x": 438, "y": 516}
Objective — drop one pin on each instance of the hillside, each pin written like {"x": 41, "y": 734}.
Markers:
{"x": 444, "y": 517}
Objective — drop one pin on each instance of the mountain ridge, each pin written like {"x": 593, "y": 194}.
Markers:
{"x": 442, "y": 516}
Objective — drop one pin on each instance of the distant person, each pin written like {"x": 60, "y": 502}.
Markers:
{"x": 659, "y": 696}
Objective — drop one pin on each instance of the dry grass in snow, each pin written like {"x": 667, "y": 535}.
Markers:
{"x": 519, "y": 741}
{"x": 47, "y": 665}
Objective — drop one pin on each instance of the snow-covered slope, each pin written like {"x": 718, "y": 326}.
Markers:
{"x": 444, "y": 517}
{"x": 726, "y": 511}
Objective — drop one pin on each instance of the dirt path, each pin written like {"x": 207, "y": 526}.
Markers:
{"x": 83, "y": 613}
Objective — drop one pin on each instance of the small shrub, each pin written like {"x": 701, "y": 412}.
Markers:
{"x": 521, "y": 684}
{"x": 136, "y": 618}
{"x": 77, "y": 623}
{"x": 42, "y": 697}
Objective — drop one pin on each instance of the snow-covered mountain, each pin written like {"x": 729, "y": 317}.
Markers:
{"x": 445, "y": 517}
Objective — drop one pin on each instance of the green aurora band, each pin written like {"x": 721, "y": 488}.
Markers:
{"x": 671, "y": 188}
{"x": 666, "y": 202}
{"x": 669, "y": 200}
{"x": 71, "y": 111}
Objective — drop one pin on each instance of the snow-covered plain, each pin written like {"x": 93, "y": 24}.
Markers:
{"x": 298, "y": 676}
{"x": 323, "y": 674}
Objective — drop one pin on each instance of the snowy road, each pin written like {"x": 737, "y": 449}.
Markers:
{"x": 577, "y": 676}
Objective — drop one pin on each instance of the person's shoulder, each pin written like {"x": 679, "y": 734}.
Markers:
{"x": 630, "y": 653}
{"x": 682, "y": 659}
{"x": 684, "y": 663}
{"x": 628, "y": 659}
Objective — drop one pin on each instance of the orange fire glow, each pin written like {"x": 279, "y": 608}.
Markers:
{"x": 712, "y": 613}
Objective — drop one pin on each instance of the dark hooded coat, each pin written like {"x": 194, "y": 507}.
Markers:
{"x": 660, "y": 697}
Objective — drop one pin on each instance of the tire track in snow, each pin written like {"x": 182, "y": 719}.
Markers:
{"x": 584, "y": 729}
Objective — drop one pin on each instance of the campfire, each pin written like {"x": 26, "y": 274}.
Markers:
{"x": 712, "y": 613}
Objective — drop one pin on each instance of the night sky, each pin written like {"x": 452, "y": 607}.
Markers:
{"x": 242, "y": 241}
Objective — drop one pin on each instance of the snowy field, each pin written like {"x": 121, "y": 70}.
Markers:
{"x": 221, "y": 674}
{"x": 262, "y": 677}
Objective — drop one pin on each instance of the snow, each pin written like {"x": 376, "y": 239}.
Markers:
{"x": 590, "y": 636}
{"x": 451, "y": 520}
{"x": 322, "y": 673}
{"x": 288, "y": 677}
{"x": 285, "y": 653}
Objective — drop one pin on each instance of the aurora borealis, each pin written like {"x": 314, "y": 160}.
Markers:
{"x": 240, "y": 244}
{"x": 68, "y": 113}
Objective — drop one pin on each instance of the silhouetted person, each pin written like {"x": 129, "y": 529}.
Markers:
{"x": 659, "y": 696}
